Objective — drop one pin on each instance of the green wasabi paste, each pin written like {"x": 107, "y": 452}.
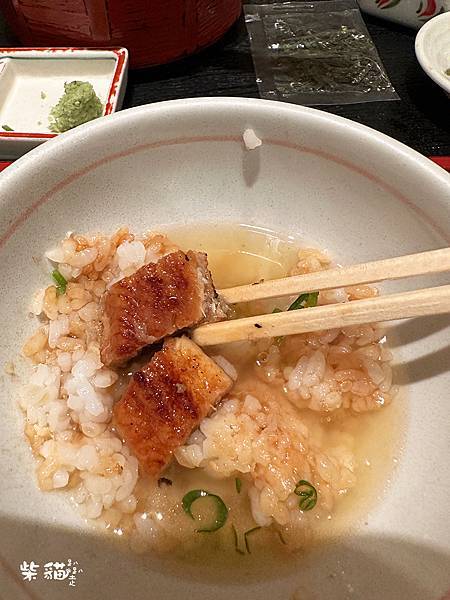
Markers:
{"x": 78, "y": 105}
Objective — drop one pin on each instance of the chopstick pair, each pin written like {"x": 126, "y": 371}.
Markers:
{"x": 402, "y": 305}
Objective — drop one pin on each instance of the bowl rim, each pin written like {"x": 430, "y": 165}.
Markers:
{"x": 36, "y": 160}
{"x": 425, "y": 33}
{"x": 30, "y": 167}
{"x": 80, "y": 134}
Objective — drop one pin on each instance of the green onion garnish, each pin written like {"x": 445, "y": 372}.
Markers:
{"x": 236, "y": 541}
{"x": 307, "y": 493}
{"x": 246, "y": 534}
{"x": 7, "y": 128}
{"x": 312, "y": 300}
{"x": 43, "y": 95}
{"x": 61, "y": 282}
{"x": 238, "y": 484}
{"x": 222, "y": 510}
{"x": 299, "y": 302}
{"x": 305, "y": 301}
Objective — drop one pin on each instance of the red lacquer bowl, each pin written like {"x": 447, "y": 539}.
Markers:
{"x": 154, "y": 31}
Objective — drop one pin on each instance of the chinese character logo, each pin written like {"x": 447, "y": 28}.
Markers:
{"x": 53, "y": 571}
{"x": 56, "y": 570}
{"x": 29, "y": 570}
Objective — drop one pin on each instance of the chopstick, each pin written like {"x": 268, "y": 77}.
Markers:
{"x": 384, "y": 308}
{"x": 423, "y": 263}
{"x": 371, "y": 310}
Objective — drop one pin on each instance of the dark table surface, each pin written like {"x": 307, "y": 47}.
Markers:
{"x": 419, "y": 119}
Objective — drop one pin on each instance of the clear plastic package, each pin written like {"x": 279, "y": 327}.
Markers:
{"x": 315, "y": 53}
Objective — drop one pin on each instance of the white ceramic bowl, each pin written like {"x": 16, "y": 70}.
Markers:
{"x": 433, "y": 49}
{"x": 347, "y": 188}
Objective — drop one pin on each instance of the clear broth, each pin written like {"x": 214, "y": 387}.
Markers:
{"x": 237, "y": 255}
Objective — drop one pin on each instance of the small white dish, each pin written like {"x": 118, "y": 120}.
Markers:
{"x": 433, "y": 50}
{"x": 32, "y": 81}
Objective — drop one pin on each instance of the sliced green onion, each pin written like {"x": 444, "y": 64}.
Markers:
{"x": 238, "y": 484}
{"x": 43, "y": 95}
{"x": 7, "y": 128}
{"x": 222, "y": 510}
{"x": 246, "y": 534}
{"x": 298, "y": 302}
{"x": 307, "y": 493}
{"x": 312, "y": 299}
{"x": 236, "y": 541}
{"x": 305, "y": 301}
{"x": 61, "y": 282}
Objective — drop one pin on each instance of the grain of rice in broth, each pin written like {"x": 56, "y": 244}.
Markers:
{"x": 265, "y": 432}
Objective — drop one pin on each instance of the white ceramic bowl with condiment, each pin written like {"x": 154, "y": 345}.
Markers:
{"x": 335, "y": 183}
{"x": 32, "y": 82}
{"x": 433, "y": 50}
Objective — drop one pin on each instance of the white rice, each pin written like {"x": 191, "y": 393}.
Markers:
{"x": 321, "y": 372}
{"x": 69, "y": 396}
{"x": 226, "y": 366}
{"x": 254, "y": 438}
{"x": 251, "y": 140}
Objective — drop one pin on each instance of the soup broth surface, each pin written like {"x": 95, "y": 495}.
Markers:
{"x": 238, "y": 255}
